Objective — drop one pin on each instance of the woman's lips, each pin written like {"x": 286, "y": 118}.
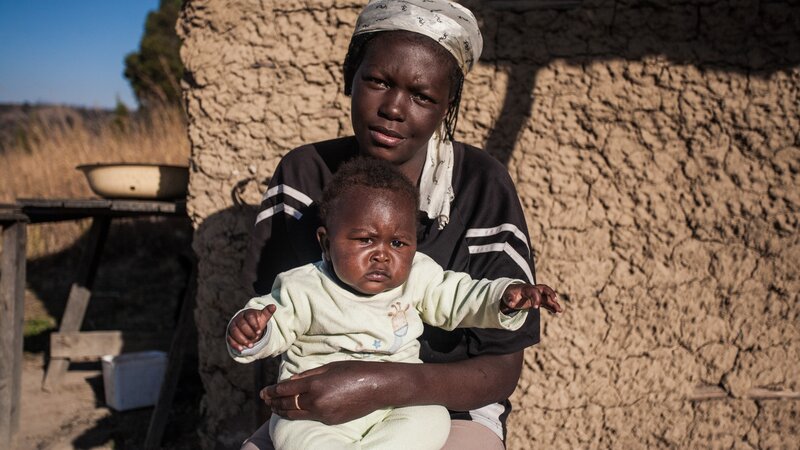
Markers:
{"x": 385, "y": 137}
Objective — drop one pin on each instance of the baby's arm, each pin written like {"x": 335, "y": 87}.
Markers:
{"x": 526, "y": 296}
{"x": 454, "y": 299}
{"x": 247, "y": 327}
{"x": 270, "y": 324}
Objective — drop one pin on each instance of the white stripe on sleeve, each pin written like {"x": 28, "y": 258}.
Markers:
{"x": 489, "y": 416}
{"x": 509, "y": 250}
{"x": 290, "y": 191}
{"x": 483, "y": 232}
{"x": 269, "y": 212}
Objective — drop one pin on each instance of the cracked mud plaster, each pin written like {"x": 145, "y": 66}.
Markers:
{"x": 656, "y": 152}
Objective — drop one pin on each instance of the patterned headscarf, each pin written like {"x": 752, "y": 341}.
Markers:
{"x": 455, "y": 28}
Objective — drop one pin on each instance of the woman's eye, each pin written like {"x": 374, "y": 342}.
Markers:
{"x": 376, "y": 81}
{"x": 423, "y": 98}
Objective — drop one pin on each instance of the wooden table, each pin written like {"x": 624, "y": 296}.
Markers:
{"x": 69, "y": 341}
{"x": 12, "y": 301}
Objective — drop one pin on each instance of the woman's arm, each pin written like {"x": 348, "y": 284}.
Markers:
{"x": 343, "y": 391}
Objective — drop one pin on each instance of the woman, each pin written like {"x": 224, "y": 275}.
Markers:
{"x": 404, "y": 71}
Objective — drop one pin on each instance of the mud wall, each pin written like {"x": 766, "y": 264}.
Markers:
{"x": 655, "y": 148}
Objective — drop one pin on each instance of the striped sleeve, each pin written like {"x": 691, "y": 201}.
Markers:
{"x": 283, "y": 236}
{"x": 283, "y": 198}
{"x": 497, "y": 239}
{"x": 506, "y": 239}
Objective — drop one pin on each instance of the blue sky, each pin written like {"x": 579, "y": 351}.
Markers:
{"x": 69, "y": 51}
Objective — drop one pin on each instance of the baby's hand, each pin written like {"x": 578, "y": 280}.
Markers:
{"x": 248, "y": 327}
{"x": 526, "y": 296}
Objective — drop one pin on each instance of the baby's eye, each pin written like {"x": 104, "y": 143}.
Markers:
{"x": 398, "y": 243}
{"x": 365, "y": 240}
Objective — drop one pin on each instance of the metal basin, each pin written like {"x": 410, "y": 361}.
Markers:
{"x": 135, "y": 180}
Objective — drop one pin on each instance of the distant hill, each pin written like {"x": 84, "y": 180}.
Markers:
{"x": 16, "y": 118}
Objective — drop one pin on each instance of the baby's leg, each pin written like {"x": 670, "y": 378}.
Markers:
{"x": 300, "y": 434}
{"x": 412, "y": 427}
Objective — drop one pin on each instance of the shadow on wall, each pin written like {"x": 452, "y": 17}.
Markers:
{"x": 748, "y": 38}
{"x": 623, "y": 249}
{"x": 220, "y": 245}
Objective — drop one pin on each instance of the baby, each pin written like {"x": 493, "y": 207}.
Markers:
{"x": 367, "y": 299}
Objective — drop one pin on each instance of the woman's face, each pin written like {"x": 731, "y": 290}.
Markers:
{"x": 401, "y": 92}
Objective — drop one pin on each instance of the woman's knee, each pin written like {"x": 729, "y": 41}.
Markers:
{"x": 259, "y": 440}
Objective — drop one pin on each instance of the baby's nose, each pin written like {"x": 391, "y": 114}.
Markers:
{"x": 380, "y": 255}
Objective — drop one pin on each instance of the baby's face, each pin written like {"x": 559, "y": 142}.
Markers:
{"x": 370, "y": 239}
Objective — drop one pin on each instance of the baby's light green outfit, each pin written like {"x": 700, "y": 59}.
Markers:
{"x": 317, "y": 322}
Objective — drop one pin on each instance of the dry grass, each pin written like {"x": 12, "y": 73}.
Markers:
{"x": 42, "y": 165}
{"x": 140, "y": 278}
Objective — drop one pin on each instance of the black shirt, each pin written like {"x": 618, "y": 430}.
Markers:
{"x": 486, "y": 237}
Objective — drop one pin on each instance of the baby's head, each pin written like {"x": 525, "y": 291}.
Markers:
{"x": 369, "y": 225}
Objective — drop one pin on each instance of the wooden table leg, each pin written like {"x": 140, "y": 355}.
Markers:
{"x": 12, "y": 302}
{"x": 183, "y": 331}
{"x": 79, "y": 295}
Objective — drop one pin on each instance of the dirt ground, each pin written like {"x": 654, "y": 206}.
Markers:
{"x": 138, "y": 287}
{"x": 62, "y": 419}
{"x": 76, "y": 416}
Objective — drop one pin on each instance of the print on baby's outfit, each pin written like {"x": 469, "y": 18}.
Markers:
{"x": 397, "y": 313}
{"x": 399, "y": 324}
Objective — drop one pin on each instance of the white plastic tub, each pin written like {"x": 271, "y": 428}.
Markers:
{"x": 133, "y": 380}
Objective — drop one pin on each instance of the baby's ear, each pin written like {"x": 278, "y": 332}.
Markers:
{"x": 324, "y": 243}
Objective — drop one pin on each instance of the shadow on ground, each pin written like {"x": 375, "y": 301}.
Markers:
{"x": 138, "y": 287}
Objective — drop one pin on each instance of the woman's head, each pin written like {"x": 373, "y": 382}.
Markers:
{"x": 445, "y": 61}
{"x": 450, "y": 25}
{"x": 418, "y": 45}
{"x": 369, "y": 221}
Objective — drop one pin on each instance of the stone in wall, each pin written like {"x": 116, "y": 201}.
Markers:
{"x": 655, "y": 149}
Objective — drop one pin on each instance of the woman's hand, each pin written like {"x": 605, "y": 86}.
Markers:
{"x": 334, "y": 393}
{"x": 342, "y": 391}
